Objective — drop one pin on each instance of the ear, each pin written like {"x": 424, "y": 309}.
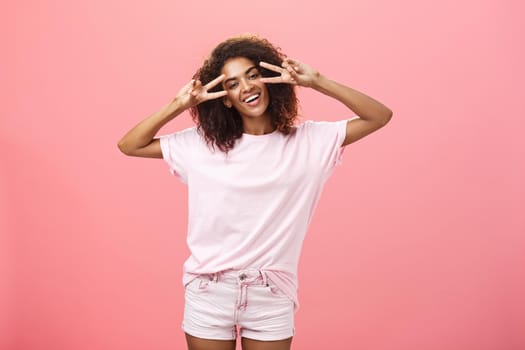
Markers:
{"x": 227, "y": 102}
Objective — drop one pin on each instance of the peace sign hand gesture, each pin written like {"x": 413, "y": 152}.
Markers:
{"x": 194, "y": 92}
{"x": 292, "y": 72}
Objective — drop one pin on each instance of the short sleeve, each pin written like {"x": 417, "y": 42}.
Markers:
{"x": 176, "y": 151}
{"x": 326, "y": 140}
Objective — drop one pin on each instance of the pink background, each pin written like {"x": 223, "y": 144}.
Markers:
{"x": 418, "y": 241}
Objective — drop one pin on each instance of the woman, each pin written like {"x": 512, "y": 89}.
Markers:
{"x": 254, "y": 179}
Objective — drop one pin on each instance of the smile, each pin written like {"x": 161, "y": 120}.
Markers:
{"x": 251, "y": 98}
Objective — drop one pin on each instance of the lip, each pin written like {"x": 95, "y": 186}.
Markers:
{"x": 253, "y": 103}
{"x": 258, "y": 94}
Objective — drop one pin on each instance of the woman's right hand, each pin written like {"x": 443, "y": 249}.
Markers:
{"x": 194, "y": 92}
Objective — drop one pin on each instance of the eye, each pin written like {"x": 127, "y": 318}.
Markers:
{"x": 253, "y": 75}
{"x": 232, "y": 85}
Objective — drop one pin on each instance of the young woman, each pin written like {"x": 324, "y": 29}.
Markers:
{"x": 254, "y": 178}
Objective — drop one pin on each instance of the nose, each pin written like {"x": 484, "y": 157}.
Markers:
{"x": 245, "y": 85}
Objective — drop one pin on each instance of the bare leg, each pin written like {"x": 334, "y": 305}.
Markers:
{"x": 252, "y": 344}
{"x": 195, "y": 343}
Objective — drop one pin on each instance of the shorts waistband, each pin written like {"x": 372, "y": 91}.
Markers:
{"x": 244, "y": 276}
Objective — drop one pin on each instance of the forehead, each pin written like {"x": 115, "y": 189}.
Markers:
{"x": 236, "y": 66}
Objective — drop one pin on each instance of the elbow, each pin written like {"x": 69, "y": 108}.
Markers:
{"x": 387, "y": 116}
{"x": 123, "y": 148}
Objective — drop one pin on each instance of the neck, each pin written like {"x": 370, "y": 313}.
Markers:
{"x": 257, "y": 126}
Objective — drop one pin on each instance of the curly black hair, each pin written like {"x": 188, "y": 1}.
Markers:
{"x": 222, "y": 126}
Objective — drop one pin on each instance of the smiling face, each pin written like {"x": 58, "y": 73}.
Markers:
{"x": 246, "y": 93}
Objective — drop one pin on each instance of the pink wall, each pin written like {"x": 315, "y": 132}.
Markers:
{"x": 418, "y": 242}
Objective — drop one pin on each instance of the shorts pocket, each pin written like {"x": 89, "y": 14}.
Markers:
{"x": 198, "y": 284}
{"x": 274, "y": 290}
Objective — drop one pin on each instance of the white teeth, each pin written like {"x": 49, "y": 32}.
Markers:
{"x": 251, "y": 98}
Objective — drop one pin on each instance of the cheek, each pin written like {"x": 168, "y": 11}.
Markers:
{"x": 267, "y": 94}
{"x": 231, "y": 96}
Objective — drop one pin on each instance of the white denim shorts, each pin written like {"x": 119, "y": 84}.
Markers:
{"x": 219, "y": 303}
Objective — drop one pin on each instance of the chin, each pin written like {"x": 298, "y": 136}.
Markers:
{"x": 255, "y": 115}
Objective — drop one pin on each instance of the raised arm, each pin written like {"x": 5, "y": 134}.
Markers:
{"x": 141, "y": 142}
{"x": 372, "y": 114}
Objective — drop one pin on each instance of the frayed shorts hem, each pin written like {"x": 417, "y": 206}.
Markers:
{"x": 244, "y": 334}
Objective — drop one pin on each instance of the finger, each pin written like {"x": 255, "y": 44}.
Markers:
{"x": 193, "y": 83}
{"x": 214, "y": 95}
{"x": 272, "y": 80}
{"x": 293, "y": 62}
{"x": 271, "y": 67}
{"x": 278, "y": 80}
{"x": 187, "y": 86}
{"x": 214, "y": 82}
{"x": 293, "y": 74}
{"x": 296, "y": 65}
{"x": 196, "y": 86}
{"x": 287, "y": 67}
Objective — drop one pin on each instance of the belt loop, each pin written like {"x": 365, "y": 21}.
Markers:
{"x": 213, "y": 277}
{"x": 264, "y": 278}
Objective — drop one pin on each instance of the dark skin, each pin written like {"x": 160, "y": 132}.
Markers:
{"x": 195, "y": 343}
{"x": 141, "y": 142}
{"x": 373, "y": 115}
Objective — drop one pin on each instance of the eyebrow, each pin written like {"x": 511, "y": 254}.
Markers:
{"x": 247, "y": 71}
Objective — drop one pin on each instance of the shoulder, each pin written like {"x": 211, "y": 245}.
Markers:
{"x": 320, "y": 123}
{"x": 184, "y": 134}
{"x": 189, "y": 132}
{"x": 180, "y": 142}
{"x": 321, "y": 127}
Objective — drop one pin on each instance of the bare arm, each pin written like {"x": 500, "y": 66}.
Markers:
{"x": 372, "y": 114}
{"x": 140, "y": 141}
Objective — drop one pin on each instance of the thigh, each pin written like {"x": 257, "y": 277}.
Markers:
{"x": 195, "y": 343}
{"x": 252, "y": 344}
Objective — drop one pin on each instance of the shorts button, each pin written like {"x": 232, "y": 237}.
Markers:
{"x": 242, "y": 276}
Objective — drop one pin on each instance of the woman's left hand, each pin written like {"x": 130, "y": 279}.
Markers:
{"x": 292, "y": 72}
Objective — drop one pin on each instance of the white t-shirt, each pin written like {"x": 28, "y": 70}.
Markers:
{"x": 251, "y": 208}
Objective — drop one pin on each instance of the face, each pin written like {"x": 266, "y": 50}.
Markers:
{"x": 246, "y": 93}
